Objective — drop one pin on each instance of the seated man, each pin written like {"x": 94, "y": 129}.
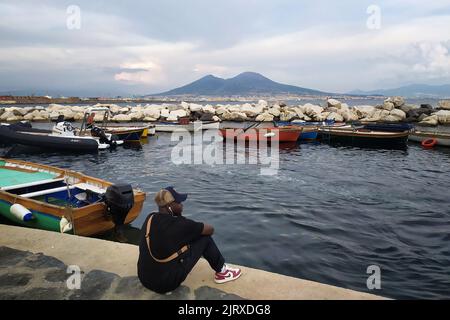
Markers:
{"x": 170, "y": 246}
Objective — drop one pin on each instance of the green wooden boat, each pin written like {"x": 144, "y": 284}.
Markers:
{"x": 53, "y": 199}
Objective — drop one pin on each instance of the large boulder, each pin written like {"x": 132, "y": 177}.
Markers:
{"x": 396, "y": 101}
{"x": 55, "y": 107}
{"x": 274, "y": 111}
{"x": 262, "y": 104}
{"x": 175, "y": 114}
{"x": 299, "y": 112}
{"x": 150, "y": 119}
{"x": 349, "y": 115}
{"x": 164, "y": 113}
{"x": 77, "y": 109}
{"x": 150, "y": 112}
{"x": 335, "y": 116}
{"x": 124, "y": 110}
{"x": 185, "y": 105}
{"x": 30, "y": 116}
{"x": 239, "y": 116}
{"x": 68, "y": 114}
{"x": 415, "y": 114}
{"x": 114, "y": 108}
{"x": 234, "y": 116}
{"x": 444, "y": 104}
{"x": 312, "y": 110}
{"x": 397, "y": 113}
{"x": 287, "y": 115}
{"x": 364, "y": 111}
{"x": 387, "y": 105}
{"x": 173, "y": 107}
{"x": 390, "y": 118}
{"x": 15, "y": 111}
{"x": 378, "y": 115}
{"x": 430, "y": 121}
{"x": 443, "y": 116}
{"x": 54, "y": 115}
{"x": 221, "y": 110}
{"x": 14, "y": 118}
{"x": 250, "y": 110}
{"x": 209, "y": 109}
{"x": 23, "y": 111}
{"x": 137, "y": 116}
{"x": 195, "y": 107}
{"x": 121, "y": 118}
{"x": 333, "y": 103}
{"x": 43, "y": 115}
{"x": 78, "y": 116}
{"x": 264, "y": 117}
{"x": 408, "y": 107}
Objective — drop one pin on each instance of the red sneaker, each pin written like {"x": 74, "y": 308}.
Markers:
{"x": 229, "y": 274}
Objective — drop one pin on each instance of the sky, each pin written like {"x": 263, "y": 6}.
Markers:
{"x": 95, "y": 48}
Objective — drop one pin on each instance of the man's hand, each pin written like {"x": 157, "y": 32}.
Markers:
{"x": 208, "y": 230}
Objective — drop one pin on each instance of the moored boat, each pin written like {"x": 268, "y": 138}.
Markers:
{"x": 282, "y": 134}
{"x": 52, "y": 141}
{"x": 441, "y": 138}
{"x": 363, "y": 137}
{"x": 191, "y": 126}
{"x": 53, "y": 199}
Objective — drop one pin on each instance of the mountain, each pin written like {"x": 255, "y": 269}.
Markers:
{"x": 245, "y": 84}
{"x": 412, "y": 91}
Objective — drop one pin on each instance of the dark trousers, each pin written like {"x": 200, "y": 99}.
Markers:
{"x": 204, "y": 247}
{"x": 162, "y": 277}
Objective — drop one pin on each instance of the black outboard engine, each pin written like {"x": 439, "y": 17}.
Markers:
{"x": 119, "y": 200}
{"x": 100, "y": 133}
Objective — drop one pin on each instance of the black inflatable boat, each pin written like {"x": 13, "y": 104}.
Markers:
{"x": 45, "y": 139}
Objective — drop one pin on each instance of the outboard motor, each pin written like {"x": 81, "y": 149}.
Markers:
{"x": 63, "y": 128}
{"x": 119, "y": 201}
{"x": 100, "y": 133}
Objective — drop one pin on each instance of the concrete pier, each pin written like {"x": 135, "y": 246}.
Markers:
{"x": 33, "y": 265}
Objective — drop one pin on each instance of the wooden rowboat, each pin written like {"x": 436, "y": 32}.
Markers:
{"x": 283, "y": 134}
{"x": 191, "y": 126}
{"x": 53, "y": 199}
{"x": 363, "y": 137}
{"x": 442, "y": 139}
{"x": 132, "y": 133}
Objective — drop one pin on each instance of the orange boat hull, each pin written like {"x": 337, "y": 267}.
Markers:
{"x": 266, "y": 134}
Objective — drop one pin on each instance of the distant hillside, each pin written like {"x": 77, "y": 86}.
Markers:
{"x": 245, "y": 84}
{"x": 412, "y": 91}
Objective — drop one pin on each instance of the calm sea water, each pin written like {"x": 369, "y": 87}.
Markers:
{"x": 328, "y": 214}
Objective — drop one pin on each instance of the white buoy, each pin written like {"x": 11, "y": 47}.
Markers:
{"x": 65, "y": 225}
{"x": 21, "y": 213}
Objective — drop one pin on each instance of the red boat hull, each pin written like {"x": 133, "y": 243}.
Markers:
{"x": 266, "y": 134}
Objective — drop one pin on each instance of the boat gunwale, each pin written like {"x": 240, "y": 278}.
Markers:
{"x": 369, "y": 134}
{"x": 139, "y": 196}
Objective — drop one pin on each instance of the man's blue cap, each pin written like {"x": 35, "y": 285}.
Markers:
{"x": 179, "y": 197}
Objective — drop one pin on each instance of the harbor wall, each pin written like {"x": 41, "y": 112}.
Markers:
{"x": 34, "y": 265}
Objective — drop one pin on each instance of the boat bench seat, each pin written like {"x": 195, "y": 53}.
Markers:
{"x": 44, "y": 192}
{"x": 30, "y": 184}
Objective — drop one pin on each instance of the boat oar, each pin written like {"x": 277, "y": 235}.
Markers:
{"x": 254, "y": 125}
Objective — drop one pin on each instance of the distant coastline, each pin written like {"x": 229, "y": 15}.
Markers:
{"x": 29, "y": 100}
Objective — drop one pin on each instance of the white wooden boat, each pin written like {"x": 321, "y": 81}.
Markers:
{"x": 191, "y": 127}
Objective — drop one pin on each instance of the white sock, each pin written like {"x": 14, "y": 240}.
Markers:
{"x": 224, "y": 268}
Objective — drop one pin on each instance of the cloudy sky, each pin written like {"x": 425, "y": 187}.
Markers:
{"x": 140, "y": 47}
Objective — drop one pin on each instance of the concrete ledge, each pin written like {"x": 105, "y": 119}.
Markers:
{"x": 94, "y": 255}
